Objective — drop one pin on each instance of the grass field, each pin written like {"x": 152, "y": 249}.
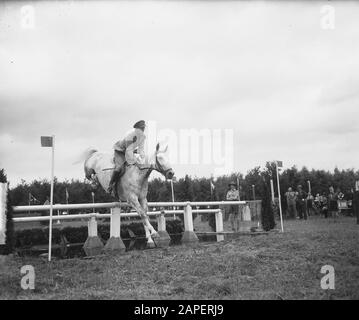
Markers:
{"x": 273, "y": 266}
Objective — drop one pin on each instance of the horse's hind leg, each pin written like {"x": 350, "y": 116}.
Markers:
{"x": 92, "y": 177}
{"x": 95, "y": 184}
{"x": 90, "y": 174}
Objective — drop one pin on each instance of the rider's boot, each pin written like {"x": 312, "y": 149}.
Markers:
{"x": 113, "y": 180}
{"x": 117, "y": 173}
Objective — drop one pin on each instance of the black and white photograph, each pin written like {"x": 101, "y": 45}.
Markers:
{"x": 179, "y": 155}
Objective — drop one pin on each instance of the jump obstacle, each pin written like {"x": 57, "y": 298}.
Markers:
{"x": 94, "y": 246}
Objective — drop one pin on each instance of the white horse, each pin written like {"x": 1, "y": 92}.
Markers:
{"x": 133, "y": 185}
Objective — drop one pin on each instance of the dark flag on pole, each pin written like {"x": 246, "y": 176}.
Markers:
{"x": 280, "y": 164}
{"x": 46, "y": 141}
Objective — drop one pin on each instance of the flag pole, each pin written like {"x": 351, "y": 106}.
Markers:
{"x": 51, "y": 194}
{"x": 173, "y": 197}
{"x": 93, "y": 201}
{"x": 279, "y": 198}
{"x": 29, "y": 203}
{"x": 67, "y": 200}
{"x": 272, "y": 190}
{"x": 211, "y": 188}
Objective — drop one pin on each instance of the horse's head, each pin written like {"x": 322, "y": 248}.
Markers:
{"x": 162, "y": 165}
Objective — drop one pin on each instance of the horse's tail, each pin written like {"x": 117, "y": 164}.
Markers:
{"x": 85, "y": 155}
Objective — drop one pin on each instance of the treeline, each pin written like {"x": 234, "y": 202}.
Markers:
{"x": 191, "y": 189}
{"x": 38, "y": 191}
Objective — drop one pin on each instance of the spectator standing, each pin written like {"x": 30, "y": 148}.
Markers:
{"x": 301, "y": 197}
{"x": 310, "y": 200}
{"x": 291, "y": 198}
{"x": 324, "y": 205}
{"x": 332, "y": 202}
{"x": 317, "y": 203}
{"x": 233, "y": 195}
{"x": 340, "y": 194}
{"x": 349, "y": 196}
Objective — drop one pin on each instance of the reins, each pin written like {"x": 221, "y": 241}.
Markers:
{"x": 157, "y": 167}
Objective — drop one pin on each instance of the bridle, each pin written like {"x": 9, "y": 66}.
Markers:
{"x": 157, "y": 167}
{"x": 160, "y": 169}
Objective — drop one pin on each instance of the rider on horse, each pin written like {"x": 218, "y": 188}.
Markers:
{"x": 131, "y": 147}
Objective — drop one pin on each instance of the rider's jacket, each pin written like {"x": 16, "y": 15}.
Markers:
{"x": 134, "y": 140}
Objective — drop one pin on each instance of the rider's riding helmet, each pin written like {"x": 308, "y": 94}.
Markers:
{"x": 140, "y": 124}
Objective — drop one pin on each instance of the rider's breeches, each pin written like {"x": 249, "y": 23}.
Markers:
{"x": 130, "y": 155}
{"x": 117, "y": 158}
{"x": 130, "y": 158}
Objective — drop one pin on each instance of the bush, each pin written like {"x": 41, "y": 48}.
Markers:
{"x": 32, "y": 237}
{"x": 268, "y": 222}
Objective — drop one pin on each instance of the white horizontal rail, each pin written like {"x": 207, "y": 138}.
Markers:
{"x": 62, "y": 217}
{"x": 105, "y": 215}
{"x": 195, "y": 203}
{"x": 122, "y": 204}
{"x": 69, "y": 206}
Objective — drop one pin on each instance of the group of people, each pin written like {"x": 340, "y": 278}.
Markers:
{"x": 296, "y": 202}
{"x": 301, "y": 204}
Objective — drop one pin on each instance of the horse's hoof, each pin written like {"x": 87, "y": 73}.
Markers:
{"x": 163, "y": 240}
{"x": 150, "y": 245}
{"x": 155, "y": 235}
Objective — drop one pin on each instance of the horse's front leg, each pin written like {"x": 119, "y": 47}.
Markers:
{"x": 144, "y": 205}
{"x": 133, "y": 201}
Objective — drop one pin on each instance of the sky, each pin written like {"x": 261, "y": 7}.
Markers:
{"x": 280, "y": 78}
